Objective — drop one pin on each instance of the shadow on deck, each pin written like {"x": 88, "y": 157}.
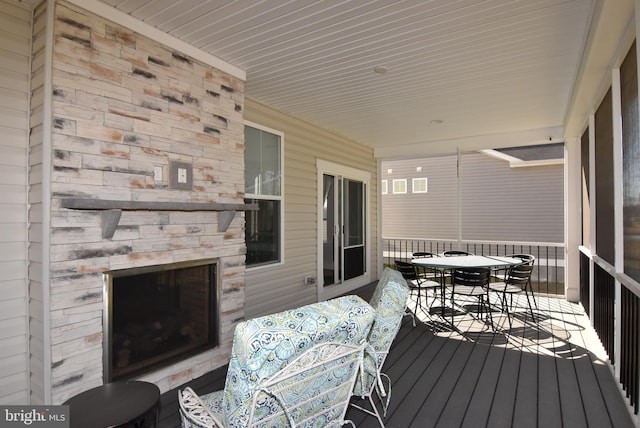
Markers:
{"x": 545, "y": 372}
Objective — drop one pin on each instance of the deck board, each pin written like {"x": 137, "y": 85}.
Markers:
{"x": 549, "y": 414}
{"x": 500, "y": 387}
{"x": 572, "y": 409}
{"x": 548, "y": 373}
{"x": 418, "y": 381}
{"x": 443, "y": 387}
{"x": 479, "y": 406}
{"x": 525, "y": 405}
{"x": 455, "y": 405}
{"x": 595, "y": 408}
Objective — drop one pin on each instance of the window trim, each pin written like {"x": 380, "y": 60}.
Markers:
{"x": 280, "y": 197}
{"x": 384, "y": 187}
{"x": 426, "y": 185}
{"x": 393, "y": 187}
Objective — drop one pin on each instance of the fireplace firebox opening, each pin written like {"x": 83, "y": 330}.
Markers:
{"x": 157, "y": 315}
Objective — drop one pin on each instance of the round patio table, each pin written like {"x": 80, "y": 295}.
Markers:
{"x": 117, "y": 404}
{"x": 470, "y": 261}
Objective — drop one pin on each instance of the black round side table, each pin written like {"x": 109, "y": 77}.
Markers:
{"x": 118, "y": 404}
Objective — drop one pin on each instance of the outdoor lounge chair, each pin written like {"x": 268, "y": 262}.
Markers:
{"x": 390, "y": 301}
{"x": 291, "y": 369}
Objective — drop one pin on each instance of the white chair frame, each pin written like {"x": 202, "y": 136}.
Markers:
{"x": 314, "y": 362}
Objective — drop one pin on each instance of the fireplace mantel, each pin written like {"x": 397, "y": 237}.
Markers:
{"x": 112, "y": 210}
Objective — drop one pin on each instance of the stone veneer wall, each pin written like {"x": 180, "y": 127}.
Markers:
{"x": 122, "y": 105}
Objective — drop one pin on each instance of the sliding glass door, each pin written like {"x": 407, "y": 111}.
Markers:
{"x": 342, "y": 235}
{"x": 353, "y": 226}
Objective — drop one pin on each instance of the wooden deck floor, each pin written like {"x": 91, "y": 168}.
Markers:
{"x": 547, "y": 372}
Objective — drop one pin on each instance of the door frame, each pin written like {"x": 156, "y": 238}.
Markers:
{"x": 326, "y": 167}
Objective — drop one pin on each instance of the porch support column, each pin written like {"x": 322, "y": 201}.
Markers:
{"x": 573, "y": 225}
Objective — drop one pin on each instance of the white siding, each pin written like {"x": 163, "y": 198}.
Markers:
{"x": 15, "y": 36}
{"x": 281, "y": 287}
{"x": 37, "y": 360}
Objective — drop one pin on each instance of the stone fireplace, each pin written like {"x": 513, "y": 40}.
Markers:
{"x": 125, "y": 111}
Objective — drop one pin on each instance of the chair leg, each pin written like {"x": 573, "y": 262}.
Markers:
{"x": 407, "y": 312}
{"x": 530, "y": 287}
{"x": 434, "y": 299}
{"x": 453, "y": 307}
{"x": 442, "y": 297}
{"x": 487, "y": 306}
{"x": 418, "y": 301}
{"x": 373, "y": 412}
{"x": 503, "y": 300}
{"x": 533, "y": 317}
{"x": 508, "y": 308}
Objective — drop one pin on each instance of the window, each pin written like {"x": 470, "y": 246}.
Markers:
{"x": 263, "y": 184}
{"x": 384, "y": 187}
{"x": 400, "y": 186}
{"x": 419, "y": 185}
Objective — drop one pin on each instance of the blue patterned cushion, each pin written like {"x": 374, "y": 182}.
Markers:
{"x": 263, "y": 346}
{"x": 390, "y": 300}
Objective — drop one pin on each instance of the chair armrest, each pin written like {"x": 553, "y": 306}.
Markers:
{"x": 194, "y": 410}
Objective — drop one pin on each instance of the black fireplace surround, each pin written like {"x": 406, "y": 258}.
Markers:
{"x": 157, "y": 315}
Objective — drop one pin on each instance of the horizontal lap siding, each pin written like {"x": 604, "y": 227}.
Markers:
{"x": 431, "y": 215}
{"x": 37, "y": 359}
{"x": 499, "y": 203}
{"x": 273, "y": 289}
{"x": 15, "y": 35}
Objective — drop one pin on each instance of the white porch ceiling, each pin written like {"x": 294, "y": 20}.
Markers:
{"x": 456, "y": 68}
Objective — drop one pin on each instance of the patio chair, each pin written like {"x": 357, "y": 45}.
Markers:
{"x": 471, "y": 282}
{"x": 424, "y": 272}
{"x": 419, "y": 254}
{"x": 517, "y": 280}
{"x": 501, "y": 273}
{"x": 294, "y": 368}
{"x": 417, "y": 285}
{"x": 389, "y": 300}
{"x": 453, "y": 253}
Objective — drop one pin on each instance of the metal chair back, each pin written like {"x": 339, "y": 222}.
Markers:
{"x": 453, "y": 253}
{"x": 471, "y": 277}
{"x": 407, "y": 270}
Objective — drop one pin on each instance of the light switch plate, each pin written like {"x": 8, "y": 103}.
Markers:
{"x": 157, "y": 173}
{"x": 180, "y": 175}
